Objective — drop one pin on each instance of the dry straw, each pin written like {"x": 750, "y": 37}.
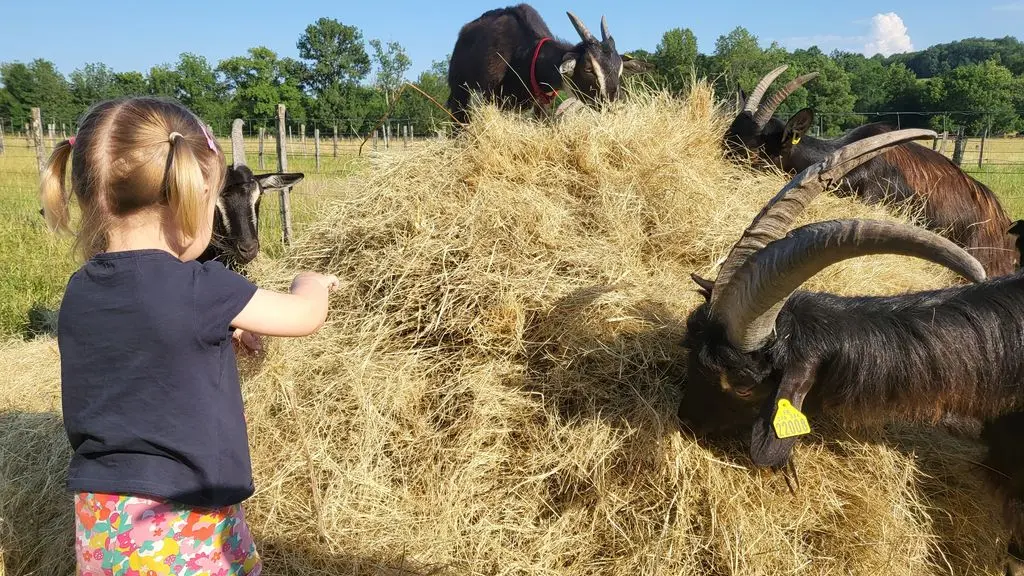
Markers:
{"x": 496, "y": 390}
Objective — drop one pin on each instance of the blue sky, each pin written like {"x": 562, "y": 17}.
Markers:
{"x": 138, "y": 35}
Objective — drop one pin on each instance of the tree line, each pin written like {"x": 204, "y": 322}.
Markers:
{"x": 342, "y": 80}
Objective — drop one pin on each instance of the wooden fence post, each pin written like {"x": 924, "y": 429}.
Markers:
{"x": 63, "y": 131}
{"x": 302, "y": 138}
{"x": 387, "y": 135}
{"x": 334, "y": 140}
{"x": 1, "y": 137}
{"x": 958, "y": 147}
{"x": 316, "y": 147}
{"x": 405, "y": 135}
{"x": 374, "y": 139}
{"x": 981, "y": 152}
{"x": 282, "y": 165}
{"x": 263, "y": 133}
{"x": 37, "y": 138}
{"x": 412, "y": 133}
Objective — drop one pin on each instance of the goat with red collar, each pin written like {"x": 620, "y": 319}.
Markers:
{"x": 510, "y": 57}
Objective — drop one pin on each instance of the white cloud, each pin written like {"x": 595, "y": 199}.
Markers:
{"x": 888, "y": 36}
{"x": 1011, "y": 7}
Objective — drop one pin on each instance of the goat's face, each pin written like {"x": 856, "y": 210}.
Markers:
{"x": 595, "y": 68}
{"x": 724, "y": 387}
{"x": 236, "y": 223}
{"x": 773, "y": 144}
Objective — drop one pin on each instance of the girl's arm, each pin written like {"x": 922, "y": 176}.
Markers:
{"x": 298, "y": 313}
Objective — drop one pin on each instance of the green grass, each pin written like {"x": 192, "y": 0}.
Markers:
{"x": 35, "y": 264}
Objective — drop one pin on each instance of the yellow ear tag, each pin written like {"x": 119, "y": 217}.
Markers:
{"x": 796, "y": 140}
{"x": 789, "y": 421}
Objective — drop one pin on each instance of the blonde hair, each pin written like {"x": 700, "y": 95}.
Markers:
{"x": 130, "y": 155}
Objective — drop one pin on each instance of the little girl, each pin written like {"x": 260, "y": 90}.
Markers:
{"x": 150, "y": 391}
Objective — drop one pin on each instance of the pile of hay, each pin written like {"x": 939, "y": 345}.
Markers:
{"x": 496, "y": 389}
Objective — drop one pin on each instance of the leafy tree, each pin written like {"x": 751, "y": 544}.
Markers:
{"x": 423, "y": 113}
{"x": 91, "y": 84}
{"x": 130, "y": 84}
{"x": 162, "y": 81}
{"x": 989, "y": 88}
{"x": 739, "y": 58}
{"x": 675, "y": 58}
{"x": 198, "y": 87}
{"x": 392, "y": 64}
{"x": 37, "y": 84}
{"x": 260, "y": 81}
{"x": 867, "y": 78}
{"x": 335, "y": 55}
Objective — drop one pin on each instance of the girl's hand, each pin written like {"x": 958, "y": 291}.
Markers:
{"x": 249, "y": 342}
{"x": 329, "y": 281}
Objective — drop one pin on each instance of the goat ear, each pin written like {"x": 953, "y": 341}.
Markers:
{"x": 741, "y": 100}
{"x": 797, "y": 126}
{"x": 568, "y": 65}
{"x": 766, "y": 448}
{"x": 631, "y": 66}
{"x": 279, "y": 180}
{"x": 704, "y": 286}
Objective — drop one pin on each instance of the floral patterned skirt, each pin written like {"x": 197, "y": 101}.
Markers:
{"x": 133, "y": 536}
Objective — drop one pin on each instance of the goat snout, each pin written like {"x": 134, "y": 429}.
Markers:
{"x": 248, "y": 250}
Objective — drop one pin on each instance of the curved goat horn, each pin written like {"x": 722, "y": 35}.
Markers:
{"x": 585, "y": 34}
{"x": 237, "y": 143}
{"x": 605, "y": 34}
{"x": 771, "y": 275}
{"x": 762, "y": 87}
{"x": 765, "y": 112}
{"x": 778, "y": 215}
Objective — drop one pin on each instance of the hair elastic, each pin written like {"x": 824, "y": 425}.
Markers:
{"x": 209, "y": 140}
{"x": 71, "y": 141}
{"x": 170, "y": 137}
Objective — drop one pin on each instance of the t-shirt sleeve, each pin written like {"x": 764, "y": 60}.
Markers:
{"x": 220, "y": 295}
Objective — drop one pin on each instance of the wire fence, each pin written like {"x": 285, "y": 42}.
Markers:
{"x": 325, "y": 150}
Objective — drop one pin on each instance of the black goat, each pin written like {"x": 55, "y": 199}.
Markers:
{"x": 760, "y": 351}
{"x": 954, "y": 204}
{"x": 510, "y": 56}
{"x": 236, "y": 239}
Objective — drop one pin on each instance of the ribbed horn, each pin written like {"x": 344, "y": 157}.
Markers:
{"x": 237, "y": 143}
{"x": 776, "y": 218}
{"x": 765, "y": 112}
{"x": 585, "y": 34}
{"x": 771, "y": 275}
{"x": 762, "y": 87}
{"x": 605, "y": 34}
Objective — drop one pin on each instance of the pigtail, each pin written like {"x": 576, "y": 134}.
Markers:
{"x": 185, "y": 185}
{"x": 52, "y": 190}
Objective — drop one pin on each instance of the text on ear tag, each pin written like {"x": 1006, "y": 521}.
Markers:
{"x": 789, "y": 421}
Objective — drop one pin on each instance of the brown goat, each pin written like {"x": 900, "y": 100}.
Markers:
{"x": 952, "y": 203}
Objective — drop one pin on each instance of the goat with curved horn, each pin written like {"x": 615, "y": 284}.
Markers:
{"x": 761, "y": 351}
{"x": 759, "y": 91}
{"x": 778, "y": 215}
{"x": 605, "y": 34}
{"x": 953, "y": 203}
{"x": 767, "y": 110}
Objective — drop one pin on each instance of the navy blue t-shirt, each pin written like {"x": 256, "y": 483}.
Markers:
{"x": 150, "y": 392}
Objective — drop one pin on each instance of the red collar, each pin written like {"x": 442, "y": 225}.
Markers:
{"x": 544, "y": 98}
